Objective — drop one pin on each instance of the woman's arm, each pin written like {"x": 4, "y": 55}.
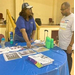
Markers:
{"x": 24, "y": 34}
{"x": 33, "y": 34}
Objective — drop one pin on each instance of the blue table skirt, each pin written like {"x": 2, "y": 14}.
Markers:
{"x": 23, "y": 66}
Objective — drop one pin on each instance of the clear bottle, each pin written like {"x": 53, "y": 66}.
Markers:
{"x": 11, "y": 38}
{"x": 3, "y": 42}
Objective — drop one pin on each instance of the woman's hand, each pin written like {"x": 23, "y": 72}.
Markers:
{"x": 28, "y": 44}
{"x": 31, "y": 40}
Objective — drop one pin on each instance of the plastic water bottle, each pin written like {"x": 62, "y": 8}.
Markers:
{"x": 52, "y": 43}
{"x": 11, "y": 38}
{"x": 3, "y": 42}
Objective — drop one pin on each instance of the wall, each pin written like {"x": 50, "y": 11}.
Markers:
{"x": 46, "y": 9}
{"x": 72, "y": 4}
{"x": 2, "y": 30}
{"x": 42, "y": 9}
{"x": 59, "y": 15}
{"x": 17, "y": 9}
{"x": 7, "y": 4}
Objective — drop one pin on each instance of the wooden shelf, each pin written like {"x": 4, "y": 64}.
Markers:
{"x": 2, "y": 26}
{"x": 49, "y": 26}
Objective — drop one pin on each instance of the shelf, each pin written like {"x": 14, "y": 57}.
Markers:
{"x": 2, "y": 26}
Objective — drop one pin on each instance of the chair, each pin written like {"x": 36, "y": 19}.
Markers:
{"x": 1, "y": 19}
{"x": 38, "y": 21}
{"x": 1, "y": 16}
{"x": 1, "y": 36}
{"x": 54, "y": 34}
{"x": 50, "y": 20}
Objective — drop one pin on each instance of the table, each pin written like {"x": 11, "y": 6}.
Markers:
{"x": 23, "y": 66}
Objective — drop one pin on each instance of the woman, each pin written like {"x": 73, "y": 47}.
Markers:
{"x": 25, "y": 25}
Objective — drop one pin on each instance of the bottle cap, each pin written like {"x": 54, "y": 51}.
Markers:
{"x": 11, "y": 33}
{"x": 3, "y": 39}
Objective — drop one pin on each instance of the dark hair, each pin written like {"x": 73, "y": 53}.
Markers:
{"x": 24, "y": 15}
{"x": 66, "y": 4}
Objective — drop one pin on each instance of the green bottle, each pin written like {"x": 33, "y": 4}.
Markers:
{"x": 52, "y": 43}
{"x": 47, "y": 43}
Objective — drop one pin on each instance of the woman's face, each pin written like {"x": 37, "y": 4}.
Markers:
{"x": 29, "y": 11}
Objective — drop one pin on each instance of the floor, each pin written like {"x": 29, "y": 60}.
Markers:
{"x": 72, "y": 71}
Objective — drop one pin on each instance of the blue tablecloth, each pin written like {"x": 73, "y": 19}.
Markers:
{"x": 23, "y": 66}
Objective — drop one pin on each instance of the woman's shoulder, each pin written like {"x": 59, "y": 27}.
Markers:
{"x": 20, "y": 17}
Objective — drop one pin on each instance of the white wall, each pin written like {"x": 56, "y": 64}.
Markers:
{"x": 2, "y": 30}
{"x": 42, "y": 9}
{"x": 7, "y": 4}
{"x": 18, "y": 6}
{"x": 59, "y": 15}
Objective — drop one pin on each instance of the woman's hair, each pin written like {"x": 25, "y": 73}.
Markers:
{"x": 24, "y": 15}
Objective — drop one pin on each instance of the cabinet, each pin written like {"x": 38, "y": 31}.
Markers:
{"x": 52, "y": 32}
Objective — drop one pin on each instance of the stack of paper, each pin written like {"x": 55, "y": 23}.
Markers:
{"x": 39, "y": 45}
{"x": 32, "y": 46}
{"x": 16, "y": 48}
{"x": 4, "y": 50}
{"x": 40, "y": 60}
{"x": 26, "y": 52}
{"x": 40, "y": 49}
{"x": 11, "y": 56}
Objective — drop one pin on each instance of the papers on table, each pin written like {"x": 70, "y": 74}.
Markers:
{"x": 39, "y": 45}
{"x": 26, "y": 52}
{"x": 40, "y": 60}
{"x": 4, "y": 50}
{"x": 40, "y": 49}
{"x": 37, "y": 41}
{"x": 32, "y": 46}
{"x": 15, "y": 52}
{"x": 9, "y": 49}
{"x": 11, "y": 56}
{"x": 16, "y": 48}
